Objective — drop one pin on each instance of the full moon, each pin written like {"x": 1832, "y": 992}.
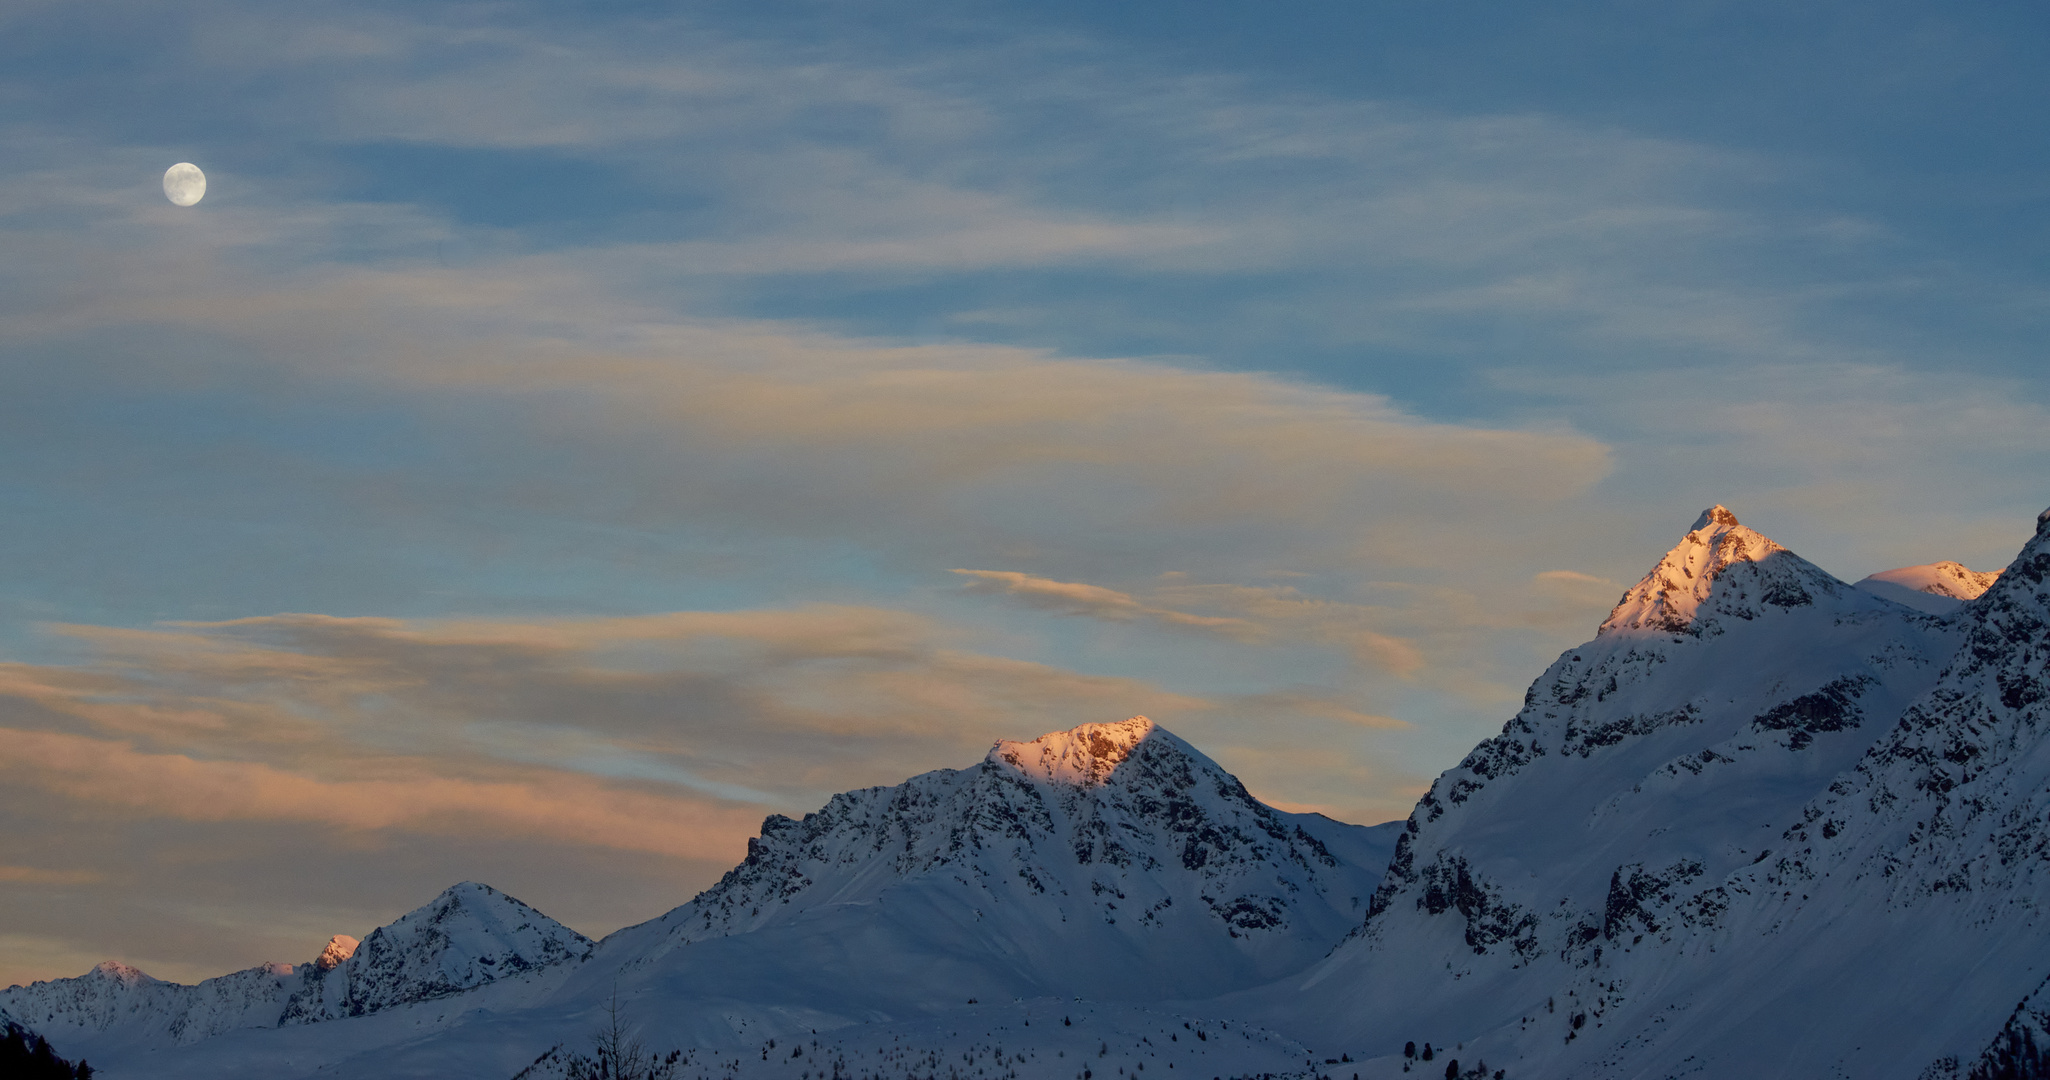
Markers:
{"x": 184, "y": 184}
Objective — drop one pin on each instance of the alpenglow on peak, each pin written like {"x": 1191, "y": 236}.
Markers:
{"x": 1720, "y": 569}
{"x": 1083, "y": 756}
{"x": 1714, "y": 515}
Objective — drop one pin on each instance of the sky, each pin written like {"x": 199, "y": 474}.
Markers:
{"x": 566, "y": 434}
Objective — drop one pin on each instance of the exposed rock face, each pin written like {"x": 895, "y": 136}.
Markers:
{"x": 339, "y": 948}
{"x": 1083, "y": 757}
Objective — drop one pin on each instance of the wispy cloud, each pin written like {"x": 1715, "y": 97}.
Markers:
{"x": 1073, "y": 598}
{"x": 409, "y": 797}
{"x": 33, "y": 875}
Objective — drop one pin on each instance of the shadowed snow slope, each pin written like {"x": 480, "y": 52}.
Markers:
{"x": 1763, "y": 825}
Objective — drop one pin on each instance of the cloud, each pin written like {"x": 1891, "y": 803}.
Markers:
{"x": 31, "y": 875}
{"x": 301, "y": 715}
{"x": 1269, "y": 615}
{"x": 1071, "y": 598}
{"x": 410, "y": 798}
{"x": 1315, "y": 705}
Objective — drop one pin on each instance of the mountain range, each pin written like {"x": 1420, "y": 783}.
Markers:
{"x": 1764, "y": 823}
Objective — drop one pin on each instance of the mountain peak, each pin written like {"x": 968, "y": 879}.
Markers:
{"x": 1082, "y": 756}
{"x": 1688, "y": 588}
{"x": 469, "y": 935}
{"x": 1937, "y": 588}
{"x": 339, "y": 948}
{"x": 121, "y": 973}
{"x": 1714, "y": 515}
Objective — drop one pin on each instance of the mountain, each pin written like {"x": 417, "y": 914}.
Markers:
{"x": 1113, "y": 861}
{"x": 1937, "y": 588}
{"x": 468, "y": 936}
{"x": 1764, "y": 824}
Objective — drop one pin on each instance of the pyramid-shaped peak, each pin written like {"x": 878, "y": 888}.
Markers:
{"x": 1084, "y": 756}
{"x": 1677, "y": 593}
{"x": 1714, "y": 515}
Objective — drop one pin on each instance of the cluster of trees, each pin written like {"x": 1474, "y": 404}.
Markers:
{"x": 25, "y": 1055}
{"x": 1479, "y": 1071}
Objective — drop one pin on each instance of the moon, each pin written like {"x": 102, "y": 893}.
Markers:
{"x": 184, "y": 184}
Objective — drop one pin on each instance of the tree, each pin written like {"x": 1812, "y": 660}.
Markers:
{"x": 25, "y": 1055}
{"x": 1409, "y": 1049}
{"x": 619, "y": 1054}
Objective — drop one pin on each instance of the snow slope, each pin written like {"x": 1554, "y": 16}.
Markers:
{"x": 1936, "y": 588}
{"x": 1045, "y": 1039}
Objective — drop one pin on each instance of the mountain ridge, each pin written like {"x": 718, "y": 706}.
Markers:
{"x": 1764, "y": 823}
{"x": 467, "y": 936}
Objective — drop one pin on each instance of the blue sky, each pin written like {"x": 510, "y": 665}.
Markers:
{"x": 561, "y": 438}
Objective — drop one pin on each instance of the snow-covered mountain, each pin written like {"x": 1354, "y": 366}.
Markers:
{"x": 468, "y": 936}
{"x": 1764, "y": 824}
{"x": 1113, "y": 861}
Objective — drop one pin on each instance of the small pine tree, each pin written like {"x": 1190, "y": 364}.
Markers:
{"x": 1452, "y": 1069}
{"x": 1409, "y": 1049}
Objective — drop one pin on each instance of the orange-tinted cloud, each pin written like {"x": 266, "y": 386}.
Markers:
{"x": 554, "y": 806}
